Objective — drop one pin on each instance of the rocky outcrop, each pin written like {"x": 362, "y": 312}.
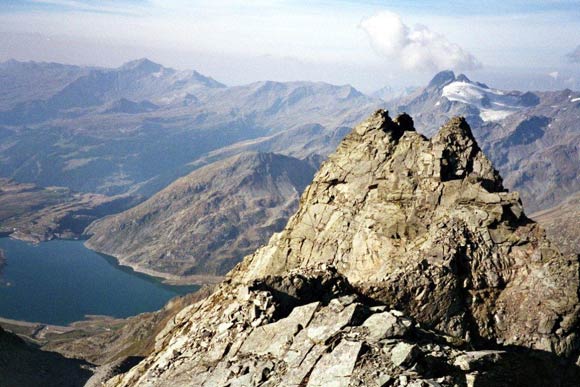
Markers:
{"x": 531, "y": 138}
{"x": 310, "y": 327}
{"x": 426, "y": 226}
{"x": 407, "y": 263}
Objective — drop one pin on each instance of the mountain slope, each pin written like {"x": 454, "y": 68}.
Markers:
{"x": 202, "y": 224}
{"x": 21, "y": 80}
{"x": 538, "y": 150}
{"x": 136, "y": 81}
{"x": 562, "y": 223}
{"x": 391, "y": 220}
{"x": 37, "y": 214}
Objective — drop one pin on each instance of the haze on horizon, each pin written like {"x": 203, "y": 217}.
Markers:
{"x": 369, "y": 44}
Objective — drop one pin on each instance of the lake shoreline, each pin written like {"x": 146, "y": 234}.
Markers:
{"x": 166, "y": 278}
{"x": 88, "y": 284}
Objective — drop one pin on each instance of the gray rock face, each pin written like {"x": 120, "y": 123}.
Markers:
{"x": 404, "y": 354}
{"x": 392, "y": 221}
{"x": 244, "y": 336}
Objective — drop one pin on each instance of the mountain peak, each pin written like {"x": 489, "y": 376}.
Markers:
{"x": 462, "y": 78}
{"x": 392, "y": 225}
{"x": 143, "y": 64}
{"x": 391, "y": 205}
{"x": 441, "y": 79}
{"x": 381, "y": 121}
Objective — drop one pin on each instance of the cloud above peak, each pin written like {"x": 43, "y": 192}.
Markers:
{"x": 416, "y": 48}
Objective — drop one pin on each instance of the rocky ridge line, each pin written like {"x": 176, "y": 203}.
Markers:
{"x": 392, "y": 221}
{"x": 426, "y": 226}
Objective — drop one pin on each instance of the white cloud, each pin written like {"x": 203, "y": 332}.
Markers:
{"x": 416, "y": 48}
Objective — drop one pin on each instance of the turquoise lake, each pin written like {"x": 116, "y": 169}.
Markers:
{"x": 58, "y": 282}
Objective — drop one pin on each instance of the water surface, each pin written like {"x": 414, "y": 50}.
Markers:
{"x": 58, "y": 282}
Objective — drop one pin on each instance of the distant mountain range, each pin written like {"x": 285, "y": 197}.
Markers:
{"x": 138, "y": 128}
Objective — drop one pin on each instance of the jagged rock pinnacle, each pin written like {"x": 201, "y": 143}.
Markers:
{"x": 426, "y": 226}
{"x": 392, "y": 222}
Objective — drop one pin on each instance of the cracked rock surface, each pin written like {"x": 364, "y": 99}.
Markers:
{"x": 407, "y": 264}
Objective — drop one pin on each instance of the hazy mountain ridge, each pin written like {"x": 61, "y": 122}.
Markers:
{"x": 144, "y": 109}
{"x": 21, "y": 80}
{"x": 112, "y": 123}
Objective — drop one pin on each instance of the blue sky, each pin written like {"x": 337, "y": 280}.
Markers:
{"x": 344, "y": 41}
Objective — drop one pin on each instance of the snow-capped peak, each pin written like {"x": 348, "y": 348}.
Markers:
{"x": 493, "y": 104}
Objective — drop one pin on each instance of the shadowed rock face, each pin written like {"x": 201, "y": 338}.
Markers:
{"x": 392, "y": 221}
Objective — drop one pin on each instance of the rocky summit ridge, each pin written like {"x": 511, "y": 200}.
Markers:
{"x": 407, "y": 263}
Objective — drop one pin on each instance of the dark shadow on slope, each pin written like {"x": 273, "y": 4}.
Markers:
{"x": 22, "y": 364}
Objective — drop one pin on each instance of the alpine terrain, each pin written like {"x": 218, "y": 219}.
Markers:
{"x": 407, "y": 264}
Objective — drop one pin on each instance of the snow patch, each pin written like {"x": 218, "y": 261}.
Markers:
{"x": 493, "y": 104}
{"x": 494, "y": 115}
{"x": 575, "y": 100}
